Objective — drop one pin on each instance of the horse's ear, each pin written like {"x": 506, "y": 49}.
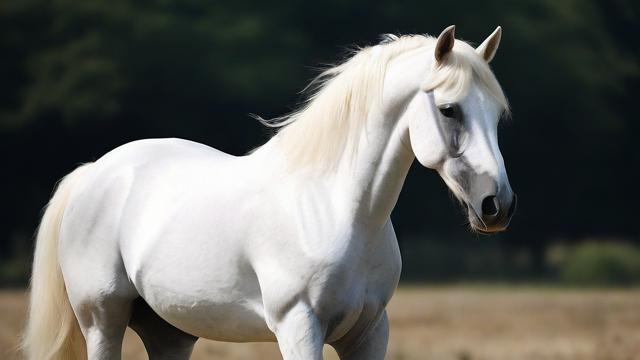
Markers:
{"x": 445, "y": 42}
{"x": 487, "y": 50}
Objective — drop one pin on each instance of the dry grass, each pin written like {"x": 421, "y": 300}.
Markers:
{"x": 454, "y": 323}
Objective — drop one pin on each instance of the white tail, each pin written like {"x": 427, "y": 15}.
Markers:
{"x": 52, "y": 331}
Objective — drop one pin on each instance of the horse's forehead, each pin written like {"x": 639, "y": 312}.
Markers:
{"x": 480, "y": 104}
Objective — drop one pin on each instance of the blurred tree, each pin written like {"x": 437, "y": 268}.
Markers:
{"x": 80, "y": 78}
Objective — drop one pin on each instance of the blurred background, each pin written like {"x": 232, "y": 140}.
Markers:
{"x": 79, "y": 78}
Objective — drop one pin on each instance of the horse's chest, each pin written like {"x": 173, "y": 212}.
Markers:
{"x": 349, "y": 301}
{"x": 353, "y": 315}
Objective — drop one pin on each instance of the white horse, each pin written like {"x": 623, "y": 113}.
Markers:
{"x": 291, "y": 243}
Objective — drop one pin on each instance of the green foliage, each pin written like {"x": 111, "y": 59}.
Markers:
{"x": 15, "y": 272}
{"x": 601, "y": 264}
{"x": 458, "y": 258}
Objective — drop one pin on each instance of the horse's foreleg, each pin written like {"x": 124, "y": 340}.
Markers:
{"x": 299, "y": 333}
{"x": 372, "y": 347}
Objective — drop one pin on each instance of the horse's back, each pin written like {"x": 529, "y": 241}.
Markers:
{"x": 153, "y": 150}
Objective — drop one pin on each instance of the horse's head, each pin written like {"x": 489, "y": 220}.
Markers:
{"x": 453, "y": 129}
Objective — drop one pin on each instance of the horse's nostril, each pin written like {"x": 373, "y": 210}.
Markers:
{"x": 490, "y": 206}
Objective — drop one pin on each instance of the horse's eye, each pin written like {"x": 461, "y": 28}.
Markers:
{"x": 448, "y": 110}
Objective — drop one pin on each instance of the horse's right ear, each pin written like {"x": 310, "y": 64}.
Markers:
{"x": 445, "y": 43}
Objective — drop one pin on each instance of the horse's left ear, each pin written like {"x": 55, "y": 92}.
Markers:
{"x": 489, "y": 47}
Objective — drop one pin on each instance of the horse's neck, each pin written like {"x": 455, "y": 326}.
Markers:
{"x": 374, "y": 181}
{"x": 384, "y": 155}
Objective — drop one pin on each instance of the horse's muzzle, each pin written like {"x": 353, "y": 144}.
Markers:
{"x": 493, "y": 214}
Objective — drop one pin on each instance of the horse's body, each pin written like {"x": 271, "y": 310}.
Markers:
{"x": 180, "y": 241}
{"x": 175, "y": 215}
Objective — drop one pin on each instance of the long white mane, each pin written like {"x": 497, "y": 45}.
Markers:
{"x": 328, "y": 124}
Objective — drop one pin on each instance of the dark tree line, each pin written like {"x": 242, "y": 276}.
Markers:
{"x": 80, "y": 78}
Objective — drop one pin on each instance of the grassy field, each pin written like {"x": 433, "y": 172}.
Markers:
{"x": 453, "y": 323}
